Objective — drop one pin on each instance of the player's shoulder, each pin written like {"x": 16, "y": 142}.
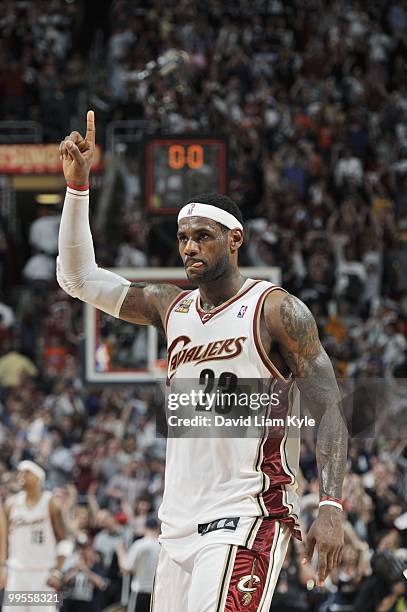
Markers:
{"x": 52, "y": 500}
{"x": 279, "y": 299}
{"x": 13, "y": 500}
{"x": 287, "y": 316}
{"x": 272, "y": 293}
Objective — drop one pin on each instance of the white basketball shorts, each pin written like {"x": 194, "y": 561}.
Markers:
{"x": 223, "y": 577}
{"x": 28, "y": 580}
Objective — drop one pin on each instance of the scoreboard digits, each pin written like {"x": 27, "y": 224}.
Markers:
{"x": 176, "y": 168}
{"x": 181, "y": 155}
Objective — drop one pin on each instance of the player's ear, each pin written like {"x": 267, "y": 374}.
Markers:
{"x": 236, "y": 239}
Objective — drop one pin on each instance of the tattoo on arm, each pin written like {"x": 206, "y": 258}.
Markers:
{"x": 147, "y": 303}
{"x": 312, "y": 368}
{"x": 300, "y": 326}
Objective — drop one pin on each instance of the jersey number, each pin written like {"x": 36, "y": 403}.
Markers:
{"x": 227, "y": 383}
{"x": 37, "y": 536}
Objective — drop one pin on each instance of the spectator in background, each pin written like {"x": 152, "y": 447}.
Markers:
{"x": 349, "y": 169}
{"x": 294, "y": 582}
{"x": 14, "y": 367}
{"x": 143, "y": 510}
{"x": 39, "y": 271}
{"x": 83, "y": 579}
{"x": 7, "y": 317}
{"x": 384, "y": 590}
{"x": 141, "y": 562}
{"x": 126, "y": 485}
{"x": 60, "y": 460}
{"x": 113, "y": 530}
{"x": 44, "y": 231}
{"x": 110, "y": 534}
{"x": 54, "y": 357}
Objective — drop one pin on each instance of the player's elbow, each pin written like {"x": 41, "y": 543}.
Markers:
{"x": 100, "y": 288}
{"x": 72, "y": 284}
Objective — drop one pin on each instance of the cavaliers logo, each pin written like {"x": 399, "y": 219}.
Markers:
{"x": 184, "y": 306}
{"x": 181, "y": 351}
{"x": 247, "y": 585}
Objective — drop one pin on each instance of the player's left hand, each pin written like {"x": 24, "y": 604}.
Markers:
{"x": 326, "y": 534}
{"x": 54, "y": 582}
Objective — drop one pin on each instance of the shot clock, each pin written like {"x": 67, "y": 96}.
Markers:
{"x": 178, "y": 167}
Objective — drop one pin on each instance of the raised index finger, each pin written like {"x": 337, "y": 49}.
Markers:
{"x": 90, "y": 127}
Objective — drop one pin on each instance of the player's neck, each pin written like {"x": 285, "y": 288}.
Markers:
{"x": 32, "y": 496}
{"x": 220, "y": 290}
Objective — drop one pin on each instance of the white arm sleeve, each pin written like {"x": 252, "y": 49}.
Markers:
{"x": 77, "y": 272}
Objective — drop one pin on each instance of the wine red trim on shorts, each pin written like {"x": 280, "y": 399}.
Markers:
{"x": 252, "y": 571}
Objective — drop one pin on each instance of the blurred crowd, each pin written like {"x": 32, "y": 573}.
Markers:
{"x": 312, "y": 96}
{"x": 41, "y": 73}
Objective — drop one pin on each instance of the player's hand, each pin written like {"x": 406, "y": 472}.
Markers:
{"x": 54, "y": 582}
{"x": 326, "y": 534}
{"x": 77, "y": 153}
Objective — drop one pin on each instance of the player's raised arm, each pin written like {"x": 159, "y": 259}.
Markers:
{"x": 77, "y": 271}
{"x": 293, "y": 327}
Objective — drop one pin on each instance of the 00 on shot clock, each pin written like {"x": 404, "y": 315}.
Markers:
{"x": 178, "y": 167}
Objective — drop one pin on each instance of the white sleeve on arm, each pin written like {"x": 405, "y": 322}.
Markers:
{"x": 131, "y": 558}
{"x": 77, "y": 271}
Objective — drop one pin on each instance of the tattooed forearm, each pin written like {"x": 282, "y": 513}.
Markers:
{"x": 320, "y": 395}
{"x": 308, "y": 361}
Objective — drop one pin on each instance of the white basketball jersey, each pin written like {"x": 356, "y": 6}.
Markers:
{"x": 31, "y": 540}
{"x": 211, "y": 478}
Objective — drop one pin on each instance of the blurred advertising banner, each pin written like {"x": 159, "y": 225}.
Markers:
{"x": 36, "y": 159}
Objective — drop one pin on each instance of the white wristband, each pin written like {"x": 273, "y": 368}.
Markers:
{"x": 64, "y": 548}
{"x": 330, "y": 502}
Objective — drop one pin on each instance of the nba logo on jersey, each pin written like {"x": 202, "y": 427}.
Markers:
{"x": 184, "y": 306}
{"x": 191, "y": 209}
{"x": 241, "y": 312}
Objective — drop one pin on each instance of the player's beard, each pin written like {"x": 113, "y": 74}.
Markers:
{"x": 222, "y": 267}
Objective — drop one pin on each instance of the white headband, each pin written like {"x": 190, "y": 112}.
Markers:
{"x": 197, "y": 209}
{"x": 32, "y": 467}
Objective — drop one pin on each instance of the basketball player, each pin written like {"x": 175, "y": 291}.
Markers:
{"x": 36, "y": 537}
{"x": 230, "y": 505}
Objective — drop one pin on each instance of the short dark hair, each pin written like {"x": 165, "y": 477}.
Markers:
{"x": 152, "y": 523}
{"x": 220, "y": 201}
